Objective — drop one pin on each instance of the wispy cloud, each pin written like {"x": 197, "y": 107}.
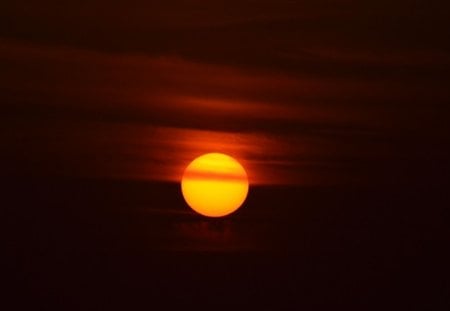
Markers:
{"x": 171, "y": 90}
{"x": 130, "y": 115}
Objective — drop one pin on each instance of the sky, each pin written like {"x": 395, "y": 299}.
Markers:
{"x": 290, "y": 87}
{"x": 336, "y": 109}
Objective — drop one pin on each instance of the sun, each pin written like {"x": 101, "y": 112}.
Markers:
{"x": 214, "y": 185}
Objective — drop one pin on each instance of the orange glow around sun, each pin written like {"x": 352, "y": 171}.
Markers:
{"x": 214, "y": 185}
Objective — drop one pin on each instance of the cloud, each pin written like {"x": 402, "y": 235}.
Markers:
{"x": 81, "y": 112}
{"x": 174, "y": 91}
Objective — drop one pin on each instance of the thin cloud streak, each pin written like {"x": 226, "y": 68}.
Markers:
{"x": 173, "y": 91}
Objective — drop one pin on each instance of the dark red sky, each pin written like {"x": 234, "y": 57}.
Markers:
{"x": 337, "y": 109}
{"x": 304, "y": 93}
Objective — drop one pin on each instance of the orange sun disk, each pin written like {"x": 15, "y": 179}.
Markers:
{"x": 214, "y": 185}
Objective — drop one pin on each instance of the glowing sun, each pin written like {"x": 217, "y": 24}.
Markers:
{"x": 214, "y": 185}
